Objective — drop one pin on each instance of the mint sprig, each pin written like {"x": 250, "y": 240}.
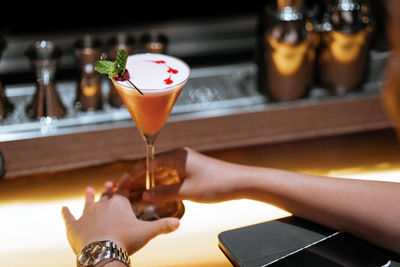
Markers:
{"x": 120, "y": 62}
{"x": 116, "y": 70}
{"x": 113, "y": 69}
{"x": 107, "y": 67}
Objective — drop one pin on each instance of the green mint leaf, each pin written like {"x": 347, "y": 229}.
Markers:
{"x": 106, "y": 67}
{"x": 120, "y": 62}
{"x": 113, "y": 69}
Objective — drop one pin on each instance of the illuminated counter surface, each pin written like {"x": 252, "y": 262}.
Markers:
{"x": 32, "y": 231}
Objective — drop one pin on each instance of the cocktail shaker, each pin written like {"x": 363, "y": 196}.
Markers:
{"x": 343, "y": 59}
{"x": 288, "y": 52}
{"x": 154, "y": 42}
{"x": 44, "y": 57}
{"x": 6, "y": 107}
{"x": 88, "y": 93}
{"x": 120, "y": 41}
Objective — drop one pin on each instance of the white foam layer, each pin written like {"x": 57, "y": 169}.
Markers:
{"x": 155, "y": 71}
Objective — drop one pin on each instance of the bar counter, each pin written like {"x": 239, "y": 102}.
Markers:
{"x": 33, "y": 234}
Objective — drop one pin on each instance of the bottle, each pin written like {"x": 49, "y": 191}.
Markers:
{"x": 288, "y": 52}
{"x": 120, "y": 41}
{"x": 89, "y": 95}
{"x": 344, "y": 54}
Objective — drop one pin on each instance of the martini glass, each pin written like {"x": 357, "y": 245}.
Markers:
{"x": 160, "y": 79}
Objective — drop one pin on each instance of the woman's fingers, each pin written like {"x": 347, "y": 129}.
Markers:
{"x": 163, "y": 193}
{"x": 68, "y": 217}
{"x": 89, "y": 197}
{"x": 108, "y": 190}
{"x": 124, "y": 185}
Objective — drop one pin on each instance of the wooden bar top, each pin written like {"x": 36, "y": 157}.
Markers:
{"x": 33, "y": 233}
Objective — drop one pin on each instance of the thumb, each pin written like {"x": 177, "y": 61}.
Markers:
{"x": 167, "y": 193}
{"x": 163, "y": 226}
{"x": 68, "y": 217}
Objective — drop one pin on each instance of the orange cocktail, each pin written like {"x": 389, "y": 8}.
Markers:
{"x": 151, "y": 110}
{"x": 155, "y": 82}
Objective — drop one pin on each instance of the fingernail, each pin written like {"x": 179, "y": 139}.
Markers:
{"x": 89, "y": 189}
{"x": 174, "y": 223}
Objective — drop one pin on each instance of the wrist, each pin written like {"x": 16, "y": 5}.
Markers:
{"x": 113, "y": 239}
{"x": 103, "y": 253}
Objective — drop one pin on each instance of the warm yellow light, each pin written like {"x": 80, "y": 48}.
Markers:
{"x": 33, "y": 233}
{"x": 354, "y": 173}
{"x": 36, "y": 231}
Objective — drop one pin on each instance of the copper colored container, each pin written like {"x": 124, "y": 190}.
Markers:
{"x": 120, "y": 41}
{"x": 154, "y": 42}
{"x": 288, "y": 52}
{"x": 6, "y": 107}
{"x": 343, "y": 59}
{"x": 44, "y": 57}
{"x": 89, "y": 93}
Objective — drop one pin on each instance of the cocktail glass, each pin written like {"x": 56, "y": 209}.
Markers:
{"x": 160, "y": 79}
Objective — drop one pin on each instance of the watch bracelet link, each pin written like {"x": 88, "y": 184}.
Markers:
{"x": 117, "y": 253}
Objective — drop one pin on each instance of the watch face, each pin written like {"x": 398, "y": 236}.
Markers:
{"x": 92, "y": 254}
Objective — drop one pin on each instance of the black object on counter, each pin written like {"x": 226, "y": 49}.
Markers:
{"x": 293, "y": 241}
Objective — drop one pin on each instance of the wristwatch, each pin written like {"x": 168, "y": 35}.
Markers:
{"x": 98, "y": 253}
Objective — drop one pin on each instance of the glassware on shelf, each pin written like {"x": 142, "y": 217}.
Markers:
{"x": 6, "y": 107}
{"x": 44, "y": 57}
{"x": 89, "y": 94}
{"x": 120, "y": 41}
{"x": 344, "y": 54}
{"x": 160, "y": 78}
{"x": 288, "y": 52}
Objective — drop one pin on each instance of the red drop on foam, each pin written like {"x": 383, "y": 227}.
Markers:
{"x": 168, "y": 80}
{"x": 171, "y": 70}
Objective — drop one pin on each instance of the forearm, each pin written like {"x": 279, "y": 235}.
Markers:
{"x": 368, "y": 209}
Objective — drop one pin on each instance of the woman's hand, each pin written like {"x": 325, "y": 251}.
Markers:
{"x": 199, "y": 178}
{"x": 111, "y": 218}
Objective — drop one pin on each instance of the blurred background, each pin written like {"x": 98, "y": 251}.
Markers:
{"x": 286, "y": 83}
{"x": 260, "y": 63}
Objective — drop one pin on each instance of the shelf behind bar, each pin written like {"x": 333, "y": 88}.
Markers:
{"x": 256, "y": 124}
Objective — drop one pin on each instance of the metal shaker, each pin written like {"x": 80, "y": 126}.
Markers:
{"x": 344, "y": 55}
{"x": 88, "y": 93}
{"x": 44, "y": 57}
{"x": 289, "y": 45}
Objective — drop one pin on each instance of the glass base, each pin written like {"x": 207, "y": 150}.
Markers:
{"x": 150, "y": 211}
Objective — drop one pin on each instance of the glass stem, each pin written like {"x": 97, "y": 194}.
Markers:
{"x": 149, "y": 165}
